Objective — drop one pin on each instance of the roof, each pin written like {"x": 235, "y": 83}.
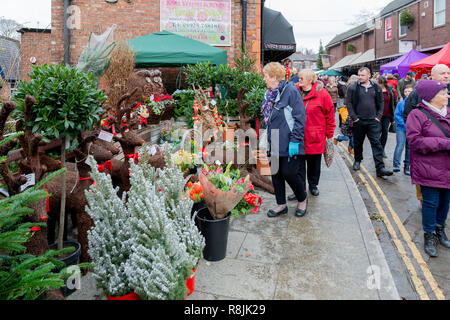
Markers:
{"x": 9, "y": 58}
{"x": 164, "y": 48}
{"x": 395, "y": 5}
{"x": 367, "y": 56}
{"x": 306, "y": 57}
{"x": 345, "y": 61}
{"x": 349, "y": 33}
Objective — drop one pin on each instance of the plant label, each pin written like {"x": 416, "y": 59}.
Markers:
{"x": 31, "y": 181}
{"x": 105, "y": 136}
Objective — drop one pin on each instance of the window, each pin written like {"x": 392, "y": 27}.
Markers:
{"x": 401, "y": 29}
{"x": 388, "y": 29}
{"x": 439, "y": 13}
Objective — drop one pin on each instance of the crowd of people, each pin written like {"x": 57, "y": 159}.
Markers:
{"x": 301, "y": 107}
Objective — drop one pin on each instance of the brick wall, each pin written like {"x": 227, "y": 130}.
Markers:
{"x": 362, "y": 43}
{"x": 429, "y": 35}
{"x": 134, "y": 19}
{"x": 34, "y": 44}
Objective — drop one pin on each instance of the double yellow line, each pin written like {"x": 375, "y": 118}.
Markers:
{"x": 397, "y": 241}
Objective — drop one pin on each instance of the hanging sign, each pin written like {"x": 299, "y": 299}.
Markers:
{"x": 208, "y": 21}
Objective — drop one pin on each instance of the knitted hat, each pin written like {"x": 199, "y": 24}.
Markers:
{"x": 428, "y": 89}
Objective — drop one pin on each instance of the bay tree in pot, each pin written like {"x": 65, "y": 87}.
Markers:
{"x": 67, "y": 102}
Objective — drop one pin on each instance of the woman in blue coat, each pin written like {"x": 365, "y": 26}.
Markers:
{"x": 284, "y": 117}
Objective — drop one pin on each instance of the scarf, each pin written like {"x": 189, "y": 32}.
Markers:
{"x": 442, "y": 112}
{"x": 269, "y": 100}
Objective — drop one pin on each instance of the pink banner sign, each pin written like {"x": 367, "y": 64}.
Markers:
{"x": 208, "y": 21}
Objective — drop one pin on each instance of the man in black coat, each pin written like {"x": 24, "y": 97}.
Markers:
{"x": 365, "y": 104}
{"x": 440, "y": 72}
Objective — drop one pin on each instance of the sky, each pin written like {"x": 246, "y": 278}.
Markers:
{"x": 312, "y": 20}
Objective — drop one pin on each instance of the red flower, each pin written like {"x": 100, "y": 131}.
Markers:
{"x": 35, "y": 229}
{"x": 157, "y": 99}
{"x": 44, "y": 219}
{"x": 166, "y": 97}
{"x": 159, "y": 190}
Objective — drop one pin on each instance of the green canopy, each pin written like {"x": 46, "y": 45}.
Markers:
{"x": 330, "y": 72}
{"x": 163, "y": 49}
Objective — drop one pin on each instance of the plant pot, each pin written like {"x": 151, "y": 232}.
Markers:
{"x": 215, "y": 233}
{"x": 190, "y": 282}
{"x": 262, "y": 163}
{"x": 197, "y": 207}
{"x": 130, "y": 296}
{"x": 70, "y": 260}
{"x": 229, "y": 133}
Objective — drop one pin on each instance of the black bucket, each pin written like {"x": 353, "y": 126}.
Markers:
{"x": 215, "y": 233}
{"x": 70, "y": 260}
{"x": 197, "y": 207}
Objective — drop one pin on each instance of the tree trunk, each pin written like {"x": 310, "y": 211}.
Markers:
{"x": 63, "y": 196}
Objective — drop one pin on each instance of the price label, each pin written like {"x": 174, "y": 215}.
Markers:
{"x": 105, "y": 136}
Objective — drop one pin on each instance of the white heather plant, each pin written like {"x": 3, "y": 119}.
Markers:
{"x": 111, "y": 239}
{"x": 168, "y": 245}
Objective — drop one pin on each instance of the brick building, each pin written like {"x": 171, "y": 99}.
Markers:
{"x": 428, "y": 32}
{"x": 133, "y": 18}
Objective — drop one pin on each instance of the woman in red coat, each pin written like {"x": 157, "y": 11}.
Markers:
{"x": 320, "y": 125}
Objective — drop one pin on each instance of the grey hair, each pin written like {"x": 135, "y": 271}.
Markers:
{"x": 438, "y": 67}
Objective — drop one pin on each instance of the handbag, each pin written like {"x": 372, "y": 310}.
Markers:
{"x": 329, "y": 152}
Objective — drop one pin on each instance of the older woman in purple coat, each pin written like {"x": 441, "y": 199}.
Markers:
{"x": 428, "y": 134}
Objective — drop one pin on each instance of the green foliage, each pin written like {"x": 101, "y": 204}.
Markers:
{"x": 24, "y": 276}
{"x": 319, "y": 56}
{"x": 201, "y": 74}
{"x": 184, "y": 101}
{"x": 67, "y": 101}
{"x": 406, "y": 17}
{"x": 350, "y": 47}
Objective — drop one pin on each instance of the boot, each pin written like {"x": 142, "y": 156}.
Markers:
{"x": 441, "y": 236}
{"x": 430, "y": 244}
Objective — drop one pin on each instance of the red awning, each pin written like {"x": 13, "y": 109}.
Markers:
{"x": 424, "y": 66}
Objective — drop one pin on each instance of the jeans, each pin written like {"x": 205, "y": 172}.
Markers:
{"x": 385, "y": 123}
{"x": 372, "y": 129}
{"x": 346, "y": 138}
{"x": 402, "y": 143}
{"x": 434, "y": 207}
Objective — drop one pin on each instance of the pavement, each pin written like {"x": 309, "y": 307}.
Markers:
{"x": 332, "y": 253}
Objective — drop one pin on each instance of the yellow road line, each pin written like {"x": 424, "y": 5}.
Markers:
{"x": 414, "y": 277}
{"x": 416, "y": 253}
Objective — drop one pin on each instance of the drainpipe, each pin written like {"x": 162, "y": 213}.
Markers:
{"x": 262, "y": 26}
{"x": 244, "y": 23}
{"x": 66, "y": 34}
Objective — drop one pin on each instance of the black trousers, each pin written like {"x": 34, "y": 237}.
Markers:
{"x": 288, "y": 169}
{"x": 385, "y": 123}
{"x": 371, "y": 129}
{"x": 312, "y": 170}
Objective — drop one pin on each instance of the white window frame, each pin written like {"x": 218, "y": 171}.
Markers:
{"x": 386, "y": 30}
{"x": 400, "y": 34}
{"x": 436, "y": 13}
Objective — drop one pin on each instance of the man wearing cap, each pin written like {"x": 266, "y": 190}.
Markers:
{"x": 402, "y": 83}
{"x": 428, "y": 134}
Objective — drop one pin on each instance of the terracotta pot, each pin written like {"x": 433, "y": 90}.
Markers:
{"x": 228, "y": 134}
{"x": 190, "y": 282}
{"x": 262, "y": 164}
{"x": 130, "y": 296}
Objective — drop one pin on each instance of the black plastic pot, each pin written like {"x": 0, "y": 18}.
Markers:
{"x": 215, "y": 233}
{"x": 72, "y": 259}
{"x": 197, "y": 206}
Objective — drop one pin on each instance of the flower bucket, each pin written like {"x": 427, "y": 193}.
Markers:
{"x": 190, "y": 282}
{"x": 70, "y": 260}
{"x": 130, "y": 296}
{"x": 215, "y": 233}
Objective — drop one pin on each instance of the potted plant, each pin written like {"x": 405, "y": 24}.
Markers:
{"x": 67, "y": 103}
{"x": 350, "y": 47}
{"x": 223, "y": 189}
{"x": 406, "y": 18}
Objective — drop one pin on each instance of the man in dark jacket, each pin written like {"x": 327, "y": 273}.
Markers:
{"x": 365, "y": 104}
{"x": 440, "y": 72}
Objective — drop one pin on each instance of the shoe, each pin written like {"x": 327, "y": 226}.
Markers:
{"x": 274, "y": 214}
{"x": 430, "y": 244}
{"x": 356, "y": 165}
{"x": 301, "y": 213}
{"x": 383, "y": 172}
{"x": 406, "y": 171}
{"x": 441, "y": 236}
{"x": 350, "y": 150}
{"x": 314, "y": 191}
{"x": 292, "y": 197}
{"x": 335, "y": 141}
{"x": 396, "y": 169}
